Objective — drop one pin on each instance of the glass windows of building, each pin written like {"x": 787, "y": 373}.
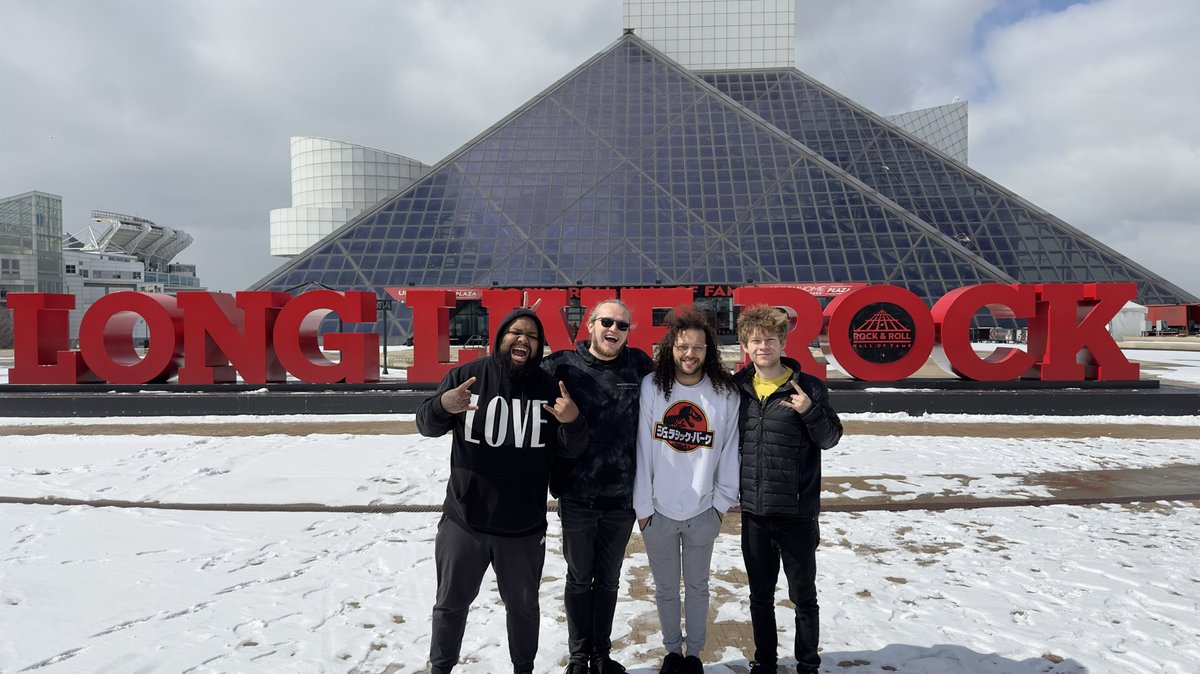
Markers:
{"x": 717, "y": 33}
{"x": 30, "y": 243}
{"x": 634, "y": 171}
{"x": 982, "y": 217}
{"x": 942, "y": 126}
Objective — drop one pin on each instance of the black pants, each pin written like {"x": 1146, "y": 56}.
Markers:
{"x": 765, "y": 541}
{"x": 594, "y": 546}
{"x": 462, "y": 556}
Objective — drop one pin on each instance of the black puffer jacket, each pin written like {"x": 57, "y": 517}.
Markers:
{"x": 781, "y": 450}
{"x": 606, "y": 392}
{"x": 501, "y": 454}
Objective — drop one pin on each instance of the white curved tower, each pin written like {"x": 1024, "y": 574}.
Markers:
{"x": 333, "y": 181}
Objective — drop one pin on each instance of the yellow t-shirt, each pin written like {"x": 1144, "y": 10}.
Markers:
{"x": 764, "y": 388}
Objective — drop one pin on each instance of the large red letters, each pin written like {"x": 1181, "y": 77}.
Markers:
{"x": 1068, "y": 336}
{"x": 40, "y": 336}
{"x": 952, "y": 315}
{"x": 197, "y": 335}
{"x": 839, "y": 350}
{"x": 106, "y": 338}
{"x": 213, "y": 337}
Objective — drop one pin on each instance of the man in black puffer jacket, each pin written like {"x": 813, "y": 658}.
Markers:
{"x": 785, "y": 421}
{"x": 510, "y": 421}
{"x": 595, "y": 491}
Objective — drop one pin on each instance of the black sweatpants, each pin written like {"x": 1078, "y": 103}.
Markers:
{"x": 594, "y": 546}
{"x": 462, "y": 557}
{"x": 794, "y": 540}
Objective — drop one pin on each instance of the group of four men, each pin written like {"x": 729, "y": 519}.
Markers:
{"x": 670, "y": 443}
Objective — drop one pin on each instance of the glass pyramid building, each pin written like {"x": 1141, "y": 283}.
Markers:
{"x": 1025, "y": 242}
{"x": 632, "y": 170}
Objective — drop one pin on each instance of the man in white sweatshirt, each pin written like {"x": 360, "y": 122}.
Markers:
{"x": 687, "y": 476}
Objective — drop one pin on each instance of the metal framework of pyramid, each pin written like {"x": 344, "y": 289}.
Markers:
{"x": 999, "y": 226}
{"x": 632, "y": 170}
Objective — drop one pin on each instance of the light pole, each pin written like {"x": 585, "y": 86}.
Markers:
{"x": 384, "y": 305}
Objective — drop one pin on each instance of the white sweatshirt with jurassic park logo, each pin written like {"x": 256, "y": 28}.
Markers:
{"x": 687, "y": 450}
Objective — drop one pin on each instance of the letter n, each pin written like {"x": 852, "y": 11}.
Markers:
{"x": 218, "y": 330}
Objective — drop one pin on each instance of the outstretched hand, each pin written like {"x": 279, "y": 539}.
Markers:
{"x": 564, "y": 408}
{"x": 798, "y": 401}
{"x": 458, "y": 399}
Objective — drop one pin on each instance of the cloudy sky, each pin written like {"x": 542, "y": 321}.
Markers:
{"x": 182, "y": 111}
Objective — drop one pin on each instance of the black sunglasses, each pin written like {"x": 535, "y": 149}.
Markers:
{"x": 623, "y": 326}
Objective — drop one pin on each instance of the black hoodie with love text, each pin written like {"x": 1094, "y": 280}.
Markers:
{"x": 502, "y": 452}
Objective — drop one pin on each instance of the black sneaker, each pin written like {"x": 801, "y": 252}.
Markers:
{"x": 602, "y": 664}
{"x": 577, "y": 667}
{"x": 756, "y": 668}
{"x": 672, "y": 664}
{"x": 692, "y": 665}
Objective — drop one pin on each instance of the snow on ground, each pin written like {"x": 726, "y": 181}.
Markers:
{"x": 342, "y": 469}
{"x": 1176, "y": 366}
{"x": 1023, "y": 590}
{"x": 1104, "y": 588}
{"x": 1101, "y": 589}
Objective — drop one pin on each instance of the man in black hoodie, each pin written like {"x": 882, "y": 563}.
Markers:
{"x": 785, "y": 421}
{"x": 595, "y": 491}
{"x": 510, "y": 420}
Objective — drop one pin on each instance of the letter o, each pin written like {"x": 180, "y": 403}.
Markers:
{"x": 839, "y": 350}
{"x": 106, "y": 337}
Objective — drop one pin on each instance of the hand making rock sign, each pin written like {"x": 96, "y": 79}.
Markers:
{"x": 798, "y": 401}
{"x": 564, "y": 408}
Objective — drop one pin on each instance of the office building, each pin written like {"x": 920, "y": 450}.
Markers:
{"x": 30, "y": 248}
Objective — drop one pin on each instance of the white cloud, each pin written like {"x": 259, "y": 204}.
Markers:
{"x": 1091, "y": 117}
{"x": 1085, "y": 109}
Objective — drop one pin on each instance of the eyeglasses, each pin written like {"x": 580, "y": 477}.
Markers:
{"x": 690, "y": 348}
{"x": 623, "y": 326}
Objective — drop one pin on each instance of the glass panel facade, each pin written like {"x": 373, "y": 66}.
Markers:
{"x": 632, "y": 170}
{"x": 31, "y": 243}
{"x": 1025, "y": 242}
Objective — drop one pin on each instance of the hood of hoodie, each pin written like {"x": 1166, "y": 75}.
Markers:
{"x": 535, "y": 358}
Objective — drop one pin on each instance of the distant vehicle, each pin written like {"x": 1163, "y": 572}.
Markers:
{"x": 475, "y": 340}
{"x": 991, "y": 334}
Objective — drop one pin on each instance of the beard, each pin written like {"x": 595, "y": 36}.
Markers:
{"x": 605, "y": 349}
{"x": 514, "y": 370}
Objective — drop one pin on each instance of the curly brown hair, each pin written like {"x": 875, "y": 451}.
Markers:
{"x": 689, "y": 318}
{"x": 761, "y": 319}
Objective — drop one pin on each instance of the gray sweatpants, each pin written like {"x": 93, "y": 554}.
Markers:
{"x": 672, "y": 545}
